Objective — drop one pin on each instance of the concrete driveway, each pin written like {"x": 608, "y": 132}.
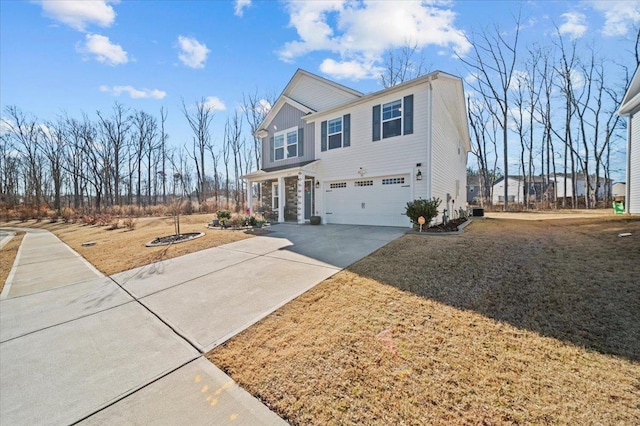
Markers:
{"x": 75, "y": 346}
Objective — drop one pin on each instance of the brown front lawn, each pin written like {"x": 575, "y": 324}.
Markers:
{"x": 9, "y": 252}
{"x": 511, "y": 322}
{"x": 120, "y": 249}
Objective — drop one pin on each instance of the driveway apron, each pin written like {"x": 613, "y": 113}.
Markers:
{"x": 79, "y": 347}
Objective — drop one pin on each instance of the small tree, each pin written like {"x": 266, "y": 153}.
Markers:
{"x": 425, "y": 208}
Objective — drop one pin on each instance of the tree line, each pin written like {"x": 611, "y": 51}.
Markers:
{"x": 122, "y": 158}
{"x": 558, "y": 100}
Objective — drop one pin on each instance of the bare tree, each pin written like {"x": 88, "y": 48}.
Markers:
{"x": 25, "y": 132}
{"x": 402, "y": 65}
{"x": 494, "y": 62}
{"x": 199, "y": 121}
{"x": 115, "y": 130}
{"x": 53, "y": 145}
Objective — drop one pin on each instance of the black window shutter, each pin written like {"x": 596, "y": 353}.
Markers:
{"x": 376, "y": 123}
{"x": 408, "y": 115}
{"x": 323, "y": 136}
{"x": 300, "y": 141}
{"x": 271, "y": 149}
{"x": 346, "y": 130}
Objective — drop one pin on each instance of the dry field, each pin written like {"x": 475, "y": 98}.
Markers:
{"x": 120, "y": 249}
{"x": 512, "y": 322}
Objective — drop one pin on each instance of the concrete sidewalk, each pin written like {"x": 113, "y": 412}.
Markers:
{"x": 79, "y": 347}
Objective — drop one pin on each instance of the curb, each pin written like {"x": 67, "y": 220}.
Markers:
{"x": 443, "y": 234}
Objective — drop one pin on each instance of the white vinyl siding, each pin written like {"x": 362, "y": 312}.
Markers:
{"x": 633, "y": 182}
{"x": 448, "y": 164}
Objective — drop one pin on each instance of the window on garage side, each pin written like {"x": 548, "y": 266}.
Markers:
{"x": 335, "y": 133}
{"x": 394, "y": 118}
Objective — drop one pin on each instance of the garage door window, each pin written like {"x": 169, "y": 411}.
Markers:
{"x": 364, "y": 183}
{"x": 393, "y": 181}
{"x": 338, "y": 185}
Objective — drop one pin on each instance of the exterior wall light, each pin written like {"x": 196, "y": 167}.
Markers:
{"x": 419, "y": 175}
{"x": 317, "y": 184}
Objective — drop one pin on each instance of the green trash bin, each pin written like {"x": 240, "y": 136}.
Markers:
{"x": 618, "y": 207}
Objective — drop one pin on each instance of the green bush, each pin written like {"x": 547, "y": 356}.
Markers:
{"x": 223, "y": 215}
{"x": 426, "y": 208}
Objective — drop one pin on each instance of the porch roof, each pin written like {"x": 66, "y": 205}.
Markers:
{"x": 309, "y": 169}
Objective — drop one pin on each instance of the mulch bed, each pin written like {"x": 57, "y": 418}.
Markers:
{"x": 174, "y": 239}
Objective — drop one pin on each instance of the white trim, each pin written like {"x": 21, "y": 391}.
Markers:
{"x": 275, "y": 195}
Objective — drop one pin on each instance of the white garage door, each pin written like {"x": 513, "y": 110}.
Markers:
{"x": 368, "y": 201}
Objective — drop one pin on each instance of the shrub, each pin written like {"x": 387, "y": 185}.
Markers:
{"x": 236, "y": 221}
{"x": 115, "y": 224}
{"x": 426, "y": 208}
{"x": 223, "y": 215}
{"x": 129, "y": 223}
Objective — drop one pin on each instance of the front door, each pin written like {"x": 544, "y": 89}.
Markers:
{"x": 308, "y": 199}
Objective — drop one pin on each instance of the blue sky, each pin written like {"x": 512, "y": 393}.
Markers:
{"x": 81, "y": 56}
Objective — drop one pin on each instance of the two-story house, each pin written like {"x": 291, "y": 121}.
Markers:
{"x": 351, "y": 158}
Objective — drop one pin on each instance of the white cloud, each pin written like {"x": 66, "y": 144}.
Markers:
{"x": 104, "y": 51}
{"x": 264, "y": 106}
{"x": 192, "y": 53}
{"x": 79, "y": 13}
{"x": 574, "y": 25}
{"x": 241, "y": 5}
{"x": 620, "y": 16}
{"x": 213, "y": 103}
{"x": 133, "y": 92}
{"x": 360, "y": 32}
{"x": 354, "y": 69}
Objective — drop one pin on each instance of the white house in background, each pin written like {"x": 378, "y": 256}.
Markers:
{"x": 351, "y": 158}
{"x": 618, "y": 190}
{"x": 515, "y": 190}
{"x": 630, "y": 108}
{"x": 581, "y": 185}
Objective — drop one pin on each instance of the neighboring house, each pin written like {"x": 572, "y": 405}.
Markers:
{"x": 618, "y": 191}
{"x": 520, "y": 187}
{"x": 351, "y": 158}
{"x": 515, "y": 190}
{"x": 581, "y": 185}
{"x": 474, "y": 191}
{"x": 630, "y": 108}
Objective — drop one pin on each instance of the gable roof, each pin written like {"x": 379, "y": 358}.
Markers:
{"x": 310, "y": 93}
{"x": 631, "y": 99}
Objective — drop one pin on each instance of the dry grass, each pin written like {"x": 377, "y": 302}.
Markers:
{"x": 9, "y": 252}
{"x": 121, "y": 249}
{"x": 511, "y": 322}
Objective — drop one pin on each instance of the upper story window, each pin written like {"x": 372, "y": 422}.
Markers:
{"x": 285, "y": 144}
{"x": 335, "y": 133}
{"x": 393, "y": 118}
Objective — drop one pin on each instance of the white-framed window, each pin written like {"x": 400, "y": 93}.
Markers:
{"x": 278, "y": 147}
{"x": 392, "y": 119}
{"x": 285, "y": 144}
{"x": 334, "y": 132}
{"x": 275, "y": 197}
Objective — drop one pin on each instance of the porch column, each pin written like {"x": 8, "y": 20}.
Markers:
{"x": 250, "y": 196}
{"x": 300, "y": 197}
{"x": 281, "y": 199}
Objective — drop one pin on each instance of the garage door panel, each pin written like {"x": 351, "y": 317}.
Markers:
{"x": 374, "y": 201}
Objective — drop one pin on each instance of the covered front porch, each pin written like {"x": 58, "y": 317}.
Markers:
{"x": 286, "y": 195}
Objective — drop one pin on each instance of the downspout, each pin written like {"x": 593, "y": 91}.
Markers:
{"x": 627, "y": 195}
{"x": 429, "y": 167}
